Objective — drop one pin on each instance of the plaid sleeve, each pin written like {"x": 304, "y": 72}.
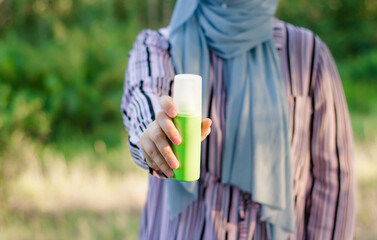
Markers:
{"x": 330, "y": 211}
{"x": 149, "y": 75}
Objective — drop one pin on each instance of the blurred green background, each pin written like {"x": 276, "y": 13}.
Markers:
{"x": 65, "y": 168}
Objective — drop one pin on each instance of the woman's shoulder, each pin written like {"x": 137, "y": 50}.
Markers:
{"x": 303, "y": 51}
{"x": 296, "y": 35}
{"x": 301, "y": 42}
{"x": 156, "y": 39}
{"x": 304, "y": 32}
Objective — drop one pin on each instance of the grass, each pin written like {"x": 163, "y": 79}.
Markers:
{"x": 366, "y": 169}
{"x": 52, "y": 198}
{"x": 82, "y": 225}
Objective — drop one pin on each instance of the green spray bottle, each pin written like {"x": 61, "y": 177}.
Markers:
{"x": 188, "y": 102}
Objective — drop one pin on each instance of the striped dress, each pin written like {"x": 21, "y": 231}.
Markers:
{"x": 320, "y": 135}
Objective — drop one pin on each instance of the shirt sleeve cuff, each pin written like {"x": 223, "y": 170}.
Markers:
{"x": 157, "y": 173}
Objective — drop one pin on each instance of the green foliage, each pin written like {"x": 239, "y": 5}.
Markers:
{"x": 347, "y": 26}
{"x": 62, "y": 66}
{"x": 361, "y": 73}
{"x": 359, "y": 76}
{"x": 62, "y": 62}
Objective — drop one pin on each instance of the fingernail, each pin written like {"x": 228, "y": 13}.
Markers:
{"x": 170, "y": 173}
{"x": 173, "y": 161}
{"x": 177, "y": 140}
{"x": 176, "y": 164}
{"x": 171, "y": 112}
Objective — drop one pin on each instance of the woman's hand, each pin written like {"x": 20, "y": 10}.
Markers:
{"x": 154, "y": 141}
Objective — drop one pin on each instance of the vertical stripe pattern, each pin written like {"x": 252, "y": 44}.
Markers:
{"x": 320, "y": 133}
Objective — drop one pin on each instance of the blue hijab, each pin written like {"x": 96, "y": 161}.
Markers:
{"x": 256, "y": 156}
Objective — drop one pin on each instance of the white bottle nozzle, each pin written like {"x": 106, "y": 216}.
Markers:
{"x": 188, "y": 94}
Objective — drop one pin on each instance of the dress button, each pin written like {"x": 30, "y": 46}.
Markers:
{"x": 224, "y": 5}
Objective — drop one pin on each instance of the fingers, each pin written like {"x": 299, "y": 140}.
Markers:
{"x": 159, "y": 138}
{"x": 154, "y": 159}
{"x": 206, "y": 127}
{"x": 167, "y": 125}
{"x": 155, "y": 140}
{"x": 151, "y": 163}
{"x": 167, "y": 106}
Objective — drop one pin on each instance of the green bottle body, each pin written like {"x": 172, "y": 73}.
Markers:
{"x": 188, "y": 152}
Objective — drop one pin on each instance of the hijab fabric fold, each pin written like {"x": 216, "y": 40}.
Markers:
{"x": 256, "y": 155}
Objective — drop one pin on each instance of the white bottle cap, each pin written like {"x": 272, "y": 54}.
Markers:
{"x": 188, "y": 94}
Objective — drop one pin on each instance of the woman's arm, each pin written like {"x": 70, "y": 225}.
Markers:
{"x": 149, "y": 75}
{"x": 330, "y": 209}
{"x": 146, "y": 107}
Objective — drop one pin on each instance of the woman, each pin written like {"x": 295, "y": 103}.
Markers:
{"x": 278, "y": 163}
